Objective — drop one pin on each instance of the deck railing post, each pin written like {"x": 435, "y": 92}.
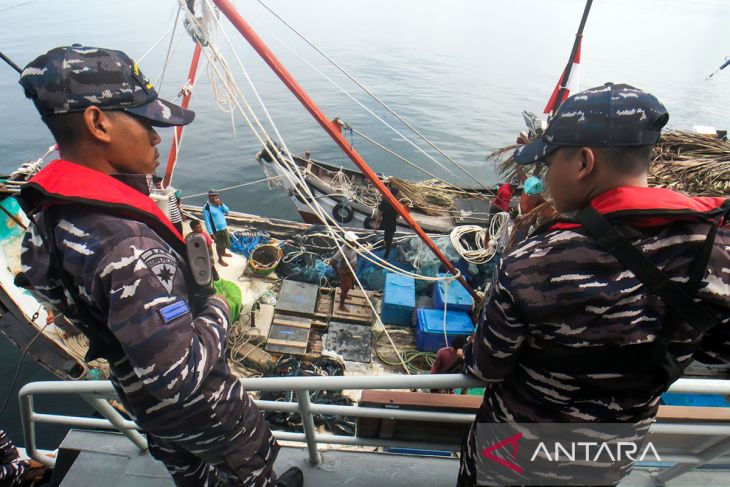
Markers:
{"x": 305, "y": 409}
{"x": 103, "y": 407}
{"x": 26, "y": 420}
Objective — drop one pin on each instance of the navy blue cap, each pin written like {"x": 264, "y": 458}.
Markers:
{"x": 69, "y": 79}
{"x": 606, "y": 116}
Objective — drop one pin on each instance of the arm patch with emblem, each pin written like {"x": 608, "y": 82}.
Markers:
{"x": 162, "y": 265}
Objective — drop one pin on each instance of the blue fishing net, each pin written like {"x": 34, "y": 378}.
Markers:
{"x": 244, "y": 243}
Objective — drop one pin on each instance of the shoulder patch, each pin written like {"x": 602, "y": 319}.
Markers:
{"x": 162, "y": 265}
{"x": 174, "y": 310}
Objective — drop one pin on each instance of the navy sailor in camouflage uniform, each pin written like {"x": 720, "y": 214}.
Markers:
{"x": 569, "y": 334}
{"x": 102, "y": 252}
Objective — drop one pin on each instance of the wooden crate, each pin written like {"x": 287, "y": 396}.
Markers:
{"x": 289, "y": 334}
{"x": 359, "y": 311}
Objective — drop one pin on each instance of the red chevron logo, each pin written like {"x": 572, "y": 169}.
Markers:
{"x": 512, "y": 440}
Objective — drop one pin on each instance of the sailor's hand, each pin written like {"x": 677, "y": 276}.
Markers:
{"x": 35, "y": 471}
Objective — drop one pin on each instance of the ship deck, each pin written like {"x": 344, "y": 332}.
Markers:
{"x": 94, "y": 459}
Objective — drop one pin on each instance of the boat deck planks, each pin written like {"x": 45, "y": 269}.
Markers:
{"x": 323, "y": 310}
{"x": 358, "y": 312}
{"x": 289, "y": 334}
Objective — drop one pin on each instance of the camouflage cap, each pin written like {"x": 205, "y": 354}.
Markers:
{"x": 605, "y": 116}
{"x": 70, "y": 79}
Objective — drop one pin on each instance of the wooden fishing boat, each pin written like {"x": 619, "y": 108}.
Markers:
{"x": 349, "y": 197}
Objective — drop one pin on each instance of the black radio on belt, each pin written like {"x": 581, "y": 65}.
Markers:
{"x": 199, "y": 260}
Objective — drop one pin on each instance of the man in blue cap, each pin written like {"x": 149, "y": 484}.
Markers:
{"x": 103, "y": 253}
{"x": 592, "y": 318}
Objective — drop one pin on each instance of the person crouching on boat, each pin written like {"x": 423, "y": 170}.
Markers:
{"x": 591, "y": 319}
{"x": 103, "y": 253}
{"x": 214, "y": 214}
{"x": 339, "y": 263}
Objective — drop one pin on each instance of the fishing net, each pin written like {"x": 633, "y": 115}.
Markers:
{"x": 245, "y": 242}
{"x": 289, "y": 366}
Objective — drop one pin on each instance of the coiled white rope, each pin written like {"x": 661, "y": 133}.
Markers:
{"x": 498, "y": 227}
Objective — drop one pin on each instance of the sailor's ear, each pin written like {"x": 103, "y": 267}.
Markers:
{"x": 587, "y": 161}
{"x": 97, "y": 124}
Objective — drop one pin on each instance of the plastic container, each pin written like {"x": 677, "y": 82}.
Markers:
{"x": 430, "y": 328}
{"x": 399, "y": 300}
{"x": 458, "y": 297}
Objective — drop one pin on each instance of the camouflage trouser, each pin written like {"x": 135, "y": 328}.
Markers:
{"x": 220, "y": 465}
{"x": 467, "y": 466}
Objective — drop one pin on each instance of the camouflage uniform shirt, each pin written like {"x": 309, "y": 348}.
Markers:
{"x": 173, "y": 377}
{"x": 561, "y": 288}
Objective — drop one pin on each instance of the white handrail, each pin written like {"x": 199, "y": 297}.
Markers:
{"x": 95, "y": 392}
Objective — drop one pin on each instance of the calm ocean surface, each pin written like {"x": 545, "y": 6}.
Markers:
{"x": 461, "y": 71}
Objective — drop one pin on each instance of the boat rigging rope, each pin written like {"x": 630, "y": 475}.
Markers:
{"x": 234, "y": 187}
{"x": 372, "y": 95}
{"x": 375, "y": 115}
{"x": 299, "y": 185}
{"x": 169, "y": 49}
{"x": 16, "y": 6}
{"x": 139, "y": 60}
{"x": 398, "y": 156}
{"x": 22, "y": 356}
{"x": 316, "y": 207}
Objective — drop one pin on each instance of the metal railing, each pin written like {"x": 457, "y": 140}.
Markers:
{"x": 97, "y": 393}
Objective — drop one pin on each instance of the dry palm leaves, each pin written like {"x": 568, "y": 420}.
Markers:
{"x": 431, "y": 197}
{"x": 692, "y": 163}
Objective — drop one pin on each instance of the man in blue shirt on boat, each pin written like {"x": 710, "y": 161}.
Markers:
{"x": 214, "y": 214}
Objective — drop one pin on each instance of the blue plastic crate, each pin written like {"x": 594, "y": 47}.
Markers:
{"x": 430, "y": 328}
{"x": 399, "y": 300}
{"x": 458, "y": 297}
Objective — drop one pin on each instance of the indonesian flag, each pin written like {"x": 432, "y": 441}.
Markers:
{"x": 573, "y": 84}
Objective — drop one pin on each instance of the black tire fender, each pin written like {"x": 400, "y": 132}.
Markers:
{"x": 343, "y": 212}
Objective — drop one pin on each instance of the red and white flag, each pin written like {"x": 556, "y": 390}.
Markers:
{"x": 573, "y": 84}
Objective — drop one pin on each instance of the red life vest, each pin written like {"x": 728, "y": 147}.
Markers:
{"x": 504, "y": 195}
{"x": 652, "y": 207}
{"x": 64, "y": 182}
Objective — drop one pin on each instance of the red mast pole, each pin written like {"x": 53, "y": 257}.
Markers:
{"x": 331, "y": 128}
{"x": 172, "y": 157}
